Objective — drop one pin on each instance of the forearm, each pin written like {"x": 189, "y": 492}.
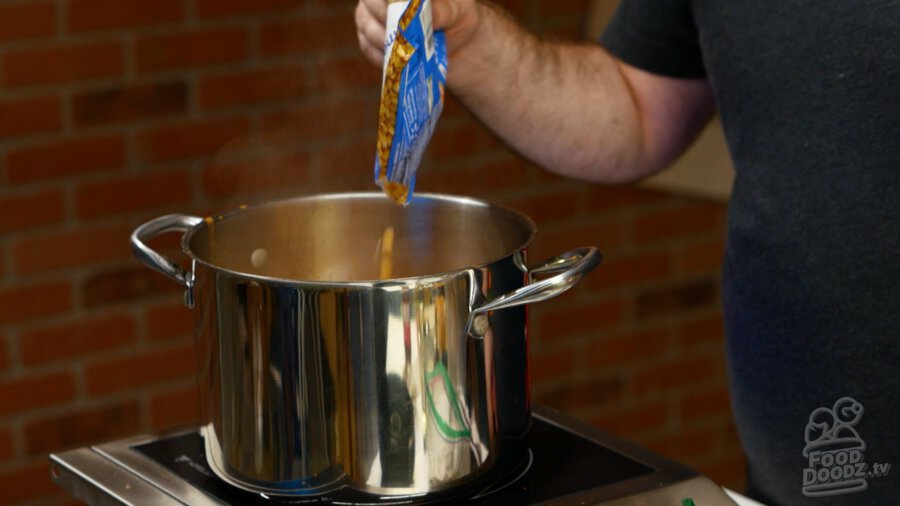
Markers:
{"x": 567, "y": 107}
{"x": 573, "y": 109}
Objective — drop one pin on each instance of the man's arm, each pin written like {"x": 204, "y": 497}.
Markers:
{"x": 572, "y": 108}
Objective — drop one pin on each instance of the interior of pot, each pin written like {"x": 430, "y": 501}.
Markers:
{"x": 359, "y": 237}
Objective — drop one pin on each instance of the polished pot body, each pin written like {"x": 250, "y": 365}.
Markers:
{"x": 316, "y": 374}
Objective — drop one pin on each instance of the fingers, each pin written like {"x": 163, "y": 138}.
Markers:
{"x": 378, "y": 9}
{"x": 372, "y": 53}
{"x": 369, "y": 30}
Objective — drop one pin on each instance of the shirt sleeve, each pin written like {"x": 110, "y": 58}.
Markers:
{"x": 658, "y": 36}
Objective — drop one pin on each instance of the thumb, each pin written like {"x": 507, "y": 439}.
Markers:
{"x": 445, "y": 13}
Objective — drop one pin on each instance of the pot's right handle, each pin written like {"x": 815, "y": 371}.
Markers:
{"x": 158, "y": 226}
{"x": 568, "y": 269}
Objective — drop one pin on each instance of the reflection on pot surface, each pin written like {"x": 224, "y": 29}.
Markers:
{"x": 388, "y": 390}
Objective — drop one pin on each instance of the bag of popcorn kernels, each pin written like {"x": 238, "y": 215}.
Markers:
{"x": 412, "y": 95}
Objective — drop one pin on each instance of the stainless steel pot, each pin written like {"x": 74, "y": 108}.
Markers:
{"x": 316, "y": 374}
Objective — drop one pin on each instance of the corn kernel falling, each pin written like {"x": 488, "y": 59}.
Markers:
{"x": 259, "y": 258}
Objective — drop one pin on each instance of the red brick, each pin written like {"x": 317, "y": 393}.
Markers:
{"x": 123, "y": 285}
{"x": 563, "y": 8}
{"x": 64, "y": 499}
{"x": 452, "y": 141}
{"x": 22, "y": 303}
{"x": 362, "y": 183}
{"x": 82, "y": 427}
{"x": 675, "y": 374}
{"x": 686, "y": 443}
{"x": 346, "y": 73}
{"x": 130, "y": 194}
{"x": 168, "y": 244}
{"x": 80, "y": 248}
{"x": 20, "y": 484}
{"x": 606, "y": 236}
{"x": 175, "y": 408}
{"x": 130, "y": 103}
{"x": 6, "y": 444}
{"x": 322, "y": 121}
{"x": 62, "y": 63}
{"x": 307, "y": 34}
{"x": 642, "y": 268}
{"x": 21, "y": 212}
{"x": 220, "y": 8}
{"x": 354, "y": 160}
{"x": 4, "y": 354}
{"x": 505, "y": 173}
{"x": 629, "y": 347}
{"x": 702, "y": 331}
{"x": 191, "y": 49}
{"x": 515, "y": 7}
{"x": 687, "y": 220}
{"x": 590, "y": 393}
{"x": 447, "y": 180}
{"x": 565, "y": 319}
{"x": 603, "y": 198}
{"x": 674, "y": 299}
{"x": 481, "y": 178}
{"x": 545, "y": 207}
{"x": 166, "y": 322}
{"x": 630, "y": 421}
{"x": 705, "y": 257}
{"x": 91, "y": 15}
{"x": 193, "y": 139}
{"x": 561, "y": 29}
{"x": 142, "y": 370}
{"x": 29, "y": 115}
{"x": 551, "y": 365}
{"x": 66, "y": 157}
{"x": 285, "y": 171}
{"x": 704, "y": 405}
{"x": 21, "y": 394}
{"x": 728, "y": 471}
{"x": 65, "y": 342}
{"x": 453, "y": 108}
{"x": 252, "y": 87}
{"x": 27, "y": 21}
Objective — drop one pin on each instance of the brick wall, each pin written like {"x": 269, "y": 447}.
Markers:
{"x": 116, "y": 111}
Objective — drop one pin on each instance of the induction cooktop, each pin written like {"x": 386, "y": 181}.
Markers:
{"x": 568, "y": 462}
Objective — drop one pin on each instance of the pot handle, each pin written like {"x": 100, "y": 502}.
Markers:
{"x": 157, "y": 262}
{"x": 568, "y": 269}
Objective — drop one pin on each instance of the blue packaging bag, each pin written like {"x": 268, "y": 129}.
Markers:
{"x": 412, "y": 95}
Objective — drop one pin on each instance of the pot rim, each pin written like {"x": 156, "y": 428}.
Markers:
{"x": 528, "y": 223}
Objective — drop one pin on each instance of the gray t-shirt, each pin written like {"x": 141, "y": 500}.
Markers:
{"x": 809, "y": 94}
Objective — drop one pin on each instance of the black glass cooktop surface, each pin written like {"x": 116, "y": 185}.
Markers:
{"x": 559, "y": 463}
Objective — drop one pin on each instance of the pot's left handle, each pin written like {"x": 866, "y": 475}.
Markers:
{"x": 158, "y": 226}
{"x": 567, "y": 270}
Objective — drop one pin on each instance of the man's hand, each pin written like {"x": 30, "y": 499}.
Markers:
{"x": 570, "y": 107}
{"x": 370, "y": 19}
{"x": 458, "y": 18}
